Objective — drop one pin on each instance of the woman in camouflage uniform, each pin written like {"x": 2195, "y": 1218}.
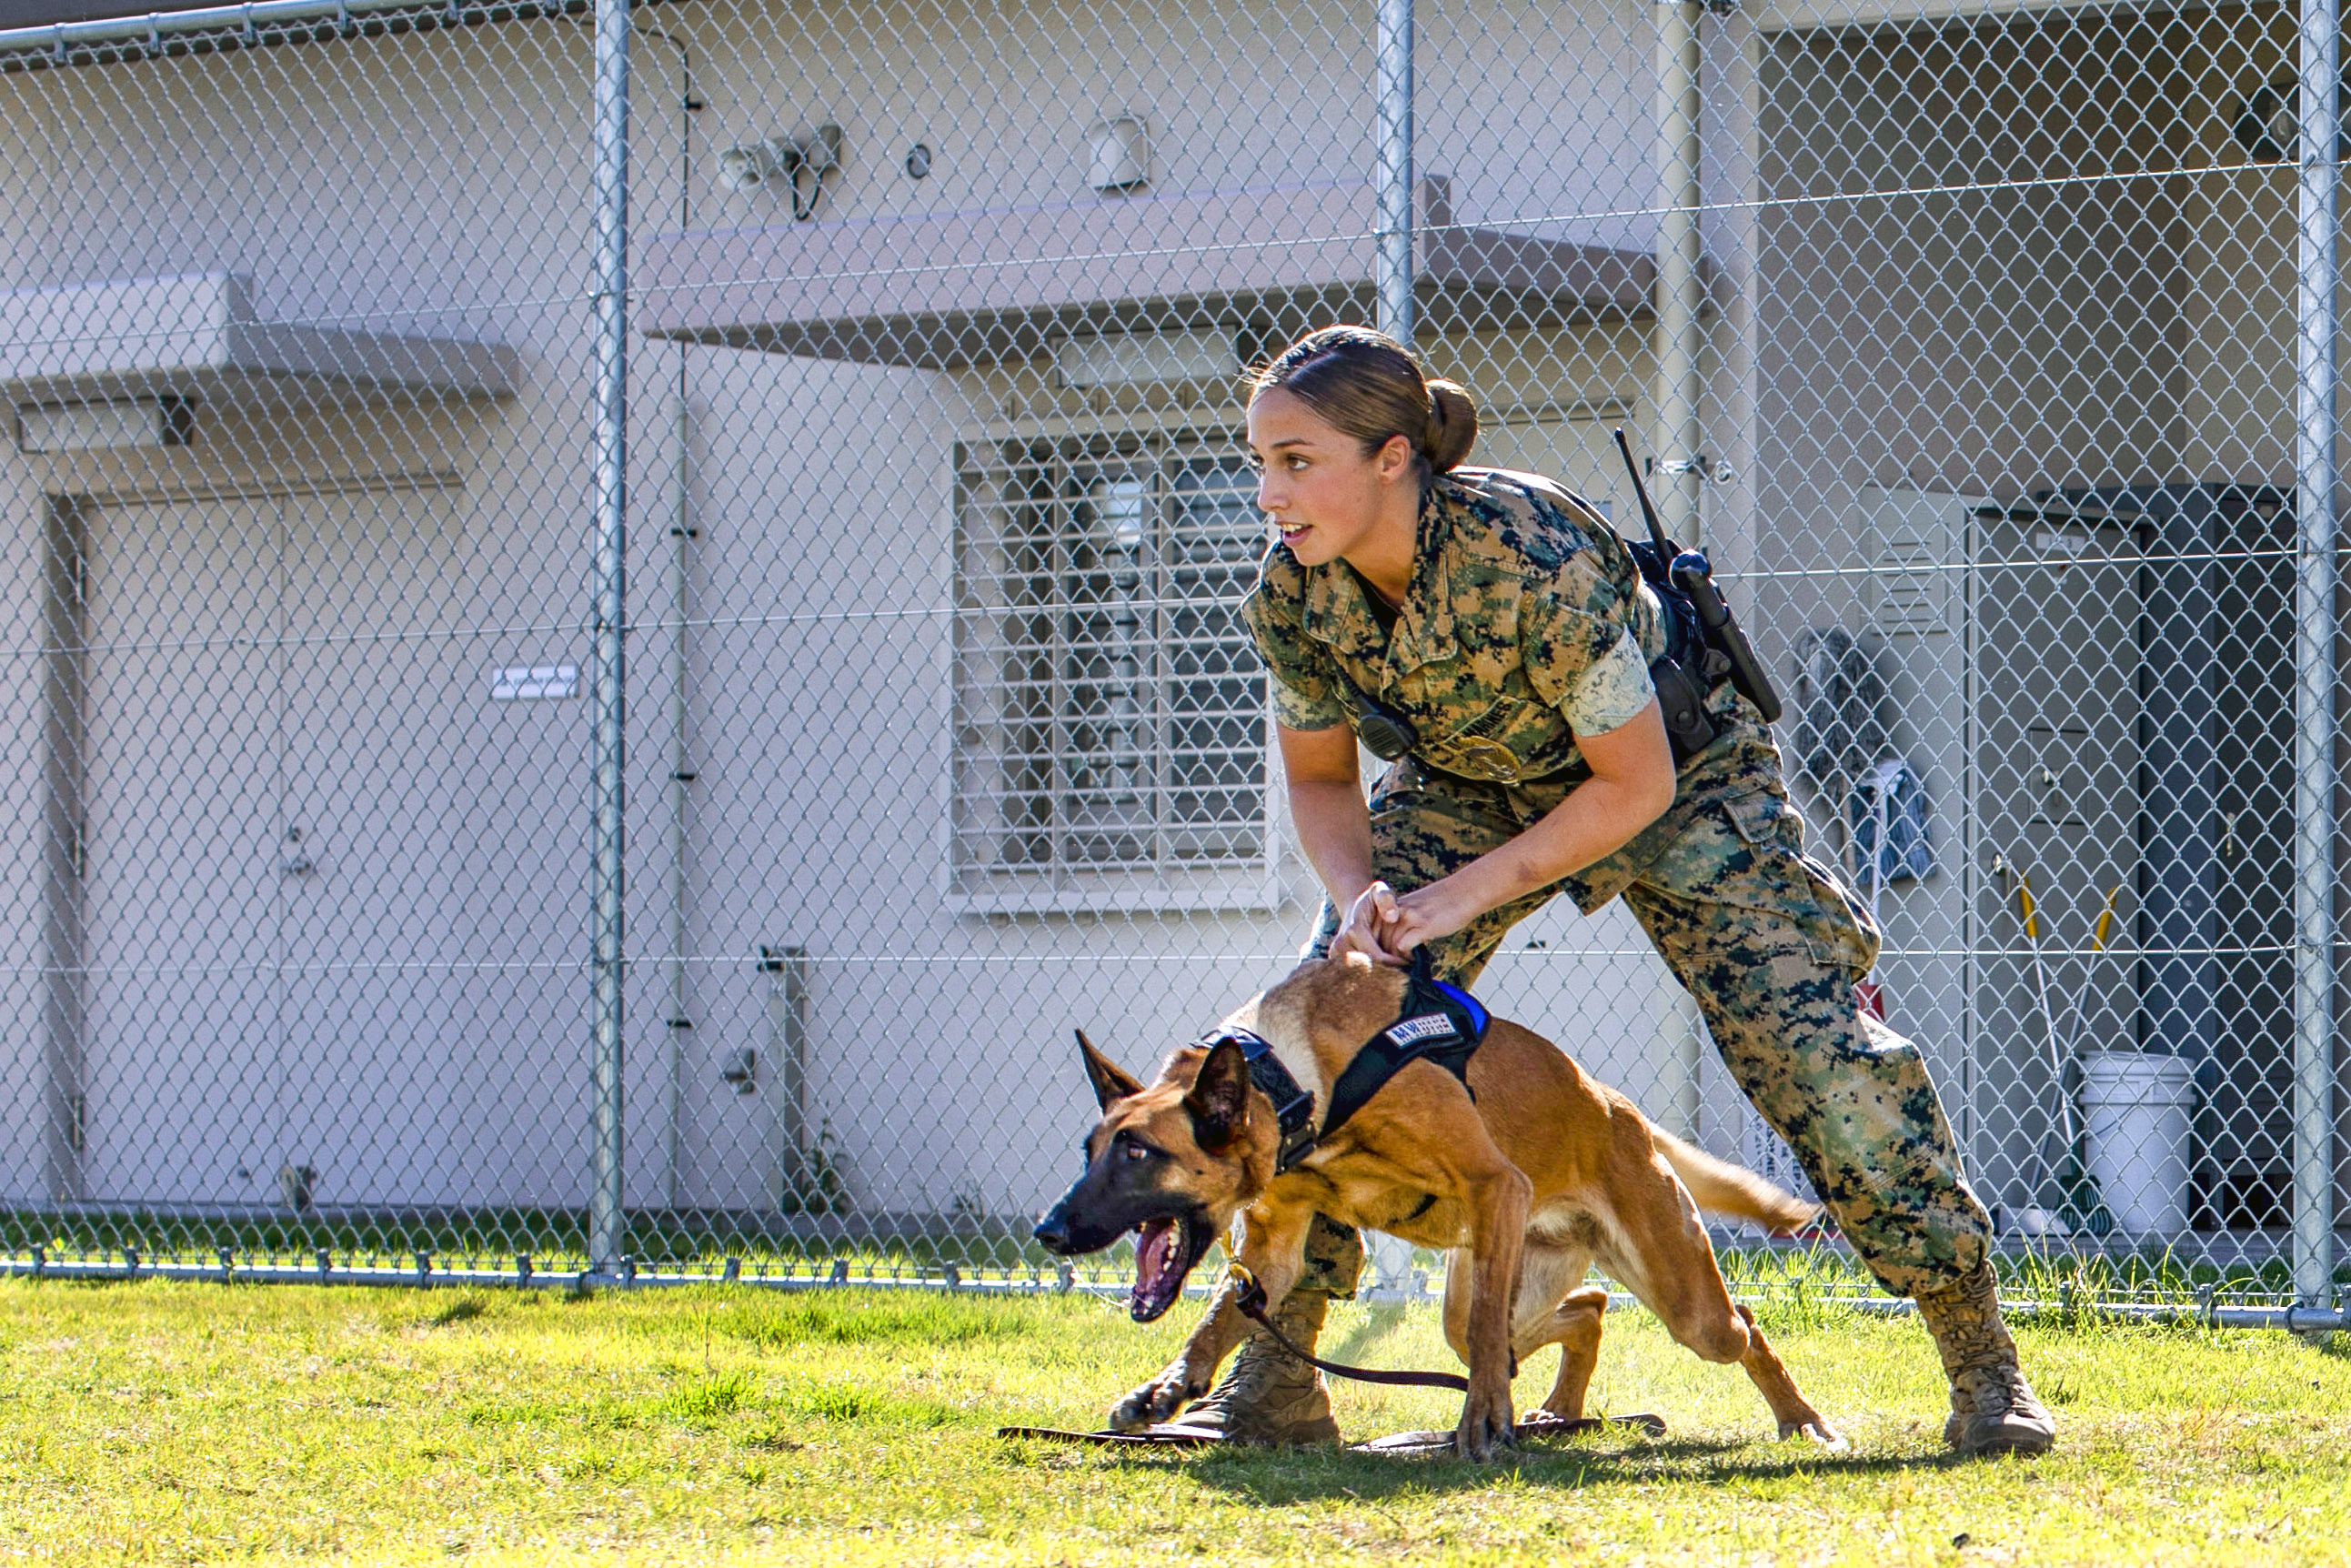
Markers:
{"x": 1504, "y": 621}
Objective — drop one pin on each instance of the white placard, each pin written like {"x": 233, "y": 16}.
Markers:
{"x": 535, "y": 683}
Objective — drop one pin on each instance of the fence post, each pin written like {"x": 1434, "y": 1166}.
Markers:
{"x": 1676, "y": 434}
{"x": 1677, "y": 389}
{"x": 1392, "y": 277}
{"x": 1395, "y": 313}
{"x": 609, "y": 700}
{"x": 2313, "y": 840}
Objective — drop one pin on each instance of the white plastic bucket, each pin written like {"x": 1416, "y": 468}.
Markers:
{"x": 2136, "y": 1108}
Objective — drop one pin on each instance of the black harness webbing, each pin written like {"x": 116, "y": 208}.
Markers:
{"x": 1440, "y": 1023}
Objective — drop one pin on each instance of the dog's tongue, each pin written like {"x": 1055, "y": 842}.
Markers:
{"x": 1155, "y": 1260}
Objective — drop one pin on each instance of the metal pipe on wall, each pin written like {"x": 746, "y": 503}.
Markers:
{"x": 1392, "y": 271}
{"x": 2315, "y": 278}
{"x": 680, "y": 1023}
{"x": 608, "y": 696}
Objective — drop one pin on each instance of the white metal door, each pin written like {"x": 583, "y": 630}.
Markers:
{"x": 272, "y": 844}
{"x": 371, "y": 832}
{"x": 180, "y": 882}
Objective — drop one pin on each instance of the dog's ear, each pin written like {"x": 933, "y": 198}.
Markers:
{"x": 1111, "y": 1081}
{"x": 1220, "y": 1098}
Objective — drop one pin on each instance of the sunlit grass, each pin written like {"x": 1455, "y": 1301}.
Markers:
{"x": 185, "y": 1422}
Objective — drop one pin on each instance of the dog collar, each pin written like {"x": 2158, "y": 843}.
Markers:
{"x": 1293, "y": 1105}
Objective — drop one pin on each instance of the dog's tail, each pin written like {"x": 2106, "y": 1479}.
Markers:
{"x": 1722, "y": 1188}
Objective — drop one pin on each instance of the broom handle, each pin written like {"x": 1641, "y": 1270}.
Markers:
{"x": 2048, "y": 1013}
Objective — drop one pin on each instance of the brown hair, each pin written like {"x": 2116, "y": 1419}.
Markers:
{"x": 1365, "y": 384}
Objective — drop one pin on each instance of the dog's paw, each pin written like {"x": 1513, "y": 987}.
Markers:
{"x": 1487, "y": 1427}
{"x": 1156, "y": 1400}
{"x": 1818, "y": 1432}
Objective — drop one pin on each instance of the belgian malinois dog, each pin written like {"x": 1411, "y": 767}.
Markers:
{"x": 1529, "y": 1174}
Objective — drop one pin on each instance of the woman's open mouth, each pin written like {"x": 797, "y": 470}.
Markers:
{"x": 1165, "y": 1251}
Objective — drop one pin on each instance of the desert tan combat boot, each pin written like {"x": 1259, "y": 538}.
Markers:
{"x": 1993, "y": 1409}
{"x": 1268, "y": 1395}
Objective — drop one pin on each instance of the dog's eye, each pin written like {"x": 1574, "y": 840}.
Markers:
{"x": 1140, "y": 1151}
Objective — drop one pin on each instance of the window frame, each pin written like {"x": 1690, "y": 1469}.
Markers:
{"x": 997, "y": 476}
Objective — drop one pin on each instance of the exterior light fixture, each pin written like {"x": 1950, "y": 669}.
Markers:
{"x": 782, "y": 160}
{"x": 121, "y": 425}
{"x": 1120, "y": 155}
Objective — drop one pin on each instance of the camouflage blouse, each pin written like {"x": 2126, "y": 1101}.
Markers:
{"x": 1527, "y": 622}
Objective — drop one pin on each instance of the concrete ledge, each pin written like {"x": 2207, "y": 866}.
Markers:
{"x": 937, "y": 290}
{"x": 196, "y": 336}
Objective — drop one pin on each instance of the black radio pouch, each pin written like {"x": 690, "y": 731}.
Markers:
{"x": 1688, "y": 670}
{"x": 1684, "y": 707}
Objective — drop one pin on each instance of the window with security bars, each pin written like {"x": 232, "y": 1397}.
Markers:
{"x": 1110, "y": 707}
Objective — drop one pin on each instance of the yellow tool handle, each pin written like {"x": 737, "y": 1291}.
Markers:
{"x": 2107, "y": 919}
{"x": 2024, "y": 898}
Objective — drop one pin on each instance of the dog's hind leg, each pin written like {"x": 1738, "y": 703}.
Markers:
{"x": 1789, "y": 1406}
{"x": 1659, "y": 1250}
{"x": 1574, "y": 1327}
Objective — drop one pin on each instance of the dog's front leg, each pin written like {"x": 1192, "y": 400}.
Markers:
{"x": 1499, "y": 1203}
{"x": 1272, "y": 1248}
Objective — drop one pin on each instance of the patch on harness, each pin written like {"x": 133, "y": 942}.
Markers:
{"x": 1411, "y": 1032}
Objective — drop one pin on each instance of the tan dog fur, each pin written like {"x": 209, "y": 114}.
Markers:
{"x": 1544, "y": 1174}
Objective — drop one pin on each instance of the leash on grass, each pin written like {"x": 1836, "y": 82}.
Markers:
{"x": 1250, "y": 1297}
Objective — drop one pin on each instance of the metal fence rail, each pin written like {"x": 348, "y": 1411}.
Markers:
{"x": 622, "y": 619}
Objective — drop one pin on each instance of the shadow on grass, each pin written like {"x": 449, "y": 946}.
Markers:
{"x": 1281, "y": 1478}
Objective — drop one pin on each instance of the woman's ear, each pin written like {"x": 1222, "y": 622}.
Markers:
{"x": 1394, "y": 459}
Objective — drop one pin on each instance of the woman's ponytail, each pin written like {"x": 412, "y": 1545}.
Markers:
{"x": 1452, "y": 425}
{"x": 1364, "y": 384}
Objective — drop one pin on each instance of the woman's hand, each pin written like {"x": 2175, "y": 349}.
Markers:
{"x": 1385, "y": 926}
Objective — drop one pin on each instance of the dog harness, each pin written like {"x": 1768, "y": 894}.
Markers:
{"x": 1440, "y": 1023}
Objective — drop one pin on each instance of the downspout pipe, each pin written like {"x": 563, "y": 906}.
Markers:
{"x": 1392, "y": 267}
{"x": 680, "y": 1023}
{"x": 608, "y": 696}
{"x": 2315, "y": 277}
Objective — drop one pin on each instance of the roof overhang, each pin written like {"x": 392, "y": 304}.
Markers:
{"x": 940, "y": 290}
{"x": 196, "y": 337}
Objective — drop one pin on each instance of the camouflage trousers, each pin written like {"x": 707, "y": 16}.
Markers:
{"x": 1770, "y": 946}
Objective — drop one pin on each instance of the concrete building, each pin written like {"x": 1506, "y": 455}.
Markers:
{"x": 939, "y": 512}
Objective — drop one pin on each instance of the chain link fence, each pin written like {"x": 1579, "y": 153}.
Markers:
{"x": 619, "y": 623}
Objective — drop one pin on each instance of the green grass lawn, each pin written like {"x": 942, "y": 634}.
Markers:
{"x": 181, "y": 1422}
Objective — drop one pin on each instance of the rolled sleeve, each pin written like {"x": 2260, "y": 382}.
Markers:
{"x": 1612, "y": 693}
{"x": 1305, "y": 696}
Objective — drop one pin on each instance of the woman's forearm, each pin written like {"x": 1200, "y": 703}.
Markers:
{"x": 1598, "y": 818}
{"x": 1632, "y": 784}
{"x": 1334, "y": 828}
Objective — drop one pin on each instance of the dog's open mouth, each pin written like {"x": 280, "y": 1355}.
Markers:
{"x": 1165, "y": 1251}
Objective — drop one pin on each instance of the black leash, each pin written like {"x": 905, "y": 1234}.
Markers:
{"x": 1250, "y": 1297}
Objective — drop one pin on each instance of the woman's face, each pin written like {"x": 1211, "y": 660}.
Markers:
{"x": 1315, "y": 485}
